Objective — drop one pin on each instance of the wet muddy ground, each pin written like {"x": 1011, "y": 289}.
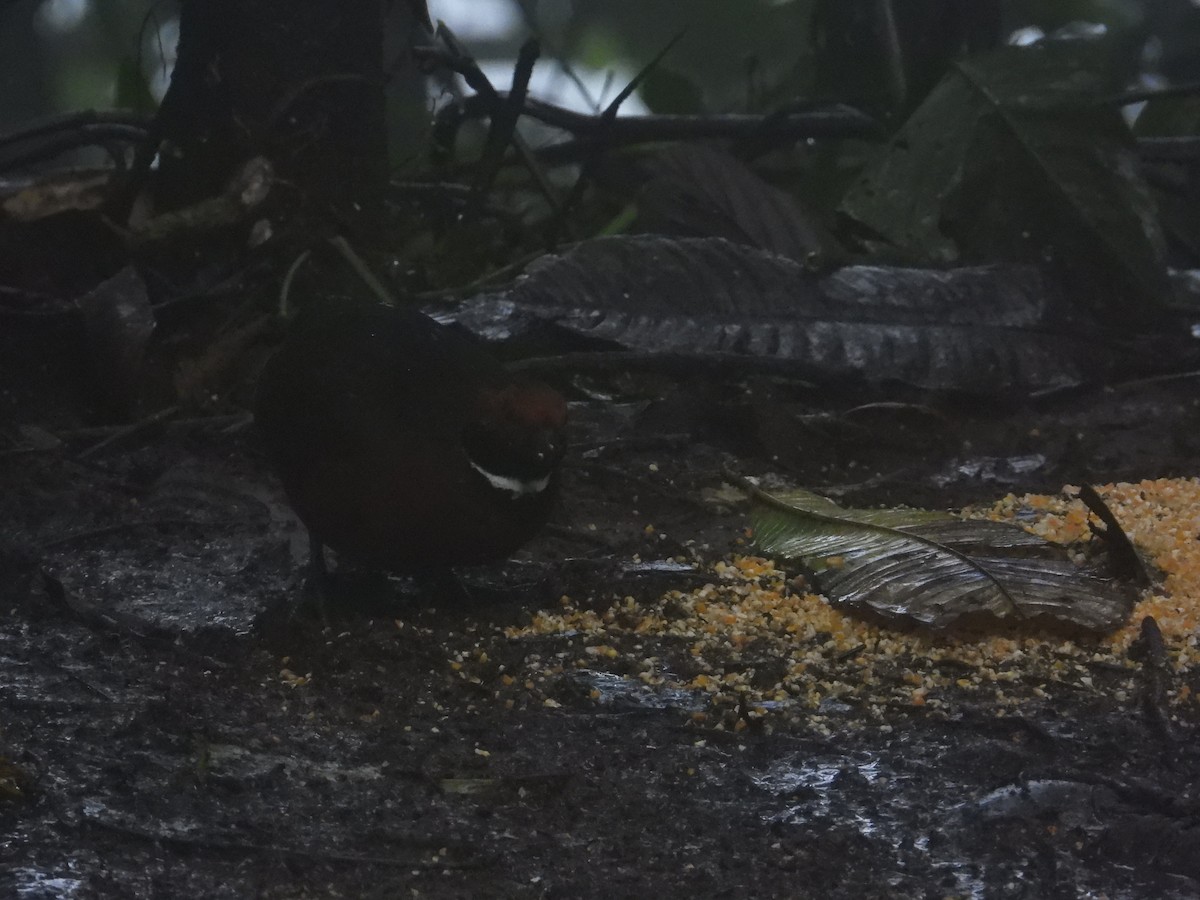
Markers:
{"x": 169, "y": 729}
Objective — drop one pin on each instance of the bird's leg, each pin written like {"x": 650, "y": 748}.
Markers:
{"x": 445, "y": 588}
{"x": 315, "y": 578}
{"x": 316, "y": 558}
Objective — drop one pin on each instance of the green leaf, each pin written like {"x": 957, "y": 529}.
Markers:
{"x": 899, "y": 195}
{"x": 133, "y": 90}
{"x": 1012, "y": 156}
{"x": 933, "y": 568}
{"x": 667, "y": 91}
{"x": 1169, "y": 117}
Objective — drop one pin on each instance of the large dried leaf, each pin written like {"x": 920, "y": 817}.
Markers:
{"x": 933, "y": 568}
{"x": 701, "y": 191}
{"x": 1012, "y": 152}
{"x": 987, "y": 330}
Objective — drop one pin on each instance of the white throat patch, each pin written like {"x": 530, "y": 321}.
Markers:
{"x": 516, "y": 487}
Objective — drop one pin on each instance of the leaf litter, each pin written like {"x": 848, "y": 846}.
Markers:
{"x": 935, "y": 568}
{"x": 755, "y": 641}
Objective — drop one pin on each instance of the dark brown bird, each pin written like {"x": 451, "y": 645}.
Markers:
{"x": 403, "y": 444}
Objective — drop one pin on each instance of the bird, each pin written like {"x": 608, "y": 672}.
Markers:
{"x": 403, "y": 444}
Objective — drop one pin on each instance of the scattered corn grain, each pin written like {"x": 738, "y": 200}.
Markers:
{"x": 750, "y": 618}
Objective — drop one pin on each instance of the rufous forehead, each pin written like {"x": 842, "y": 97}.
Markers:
{"x": 531, "y": 402}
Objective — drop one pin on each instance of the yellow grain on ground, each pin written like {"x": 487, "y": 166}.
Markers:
{"x": 1162, "y": 518}
{"x": 750, "y": 641}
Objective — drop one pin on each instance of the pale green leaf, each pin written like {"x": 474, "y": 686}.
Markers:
{"x": 934, "y": 568}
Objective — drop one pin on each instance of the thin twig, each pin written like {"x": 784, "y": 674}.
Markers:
{"x": 129, "y": 430}
{"x": 824, "y": 121}
{"x": 362, "y": 270}
{"x": 88, "y": 136}
{"x": 454, "y": 58}
{"x": 682, "y": 364}
{"x": 1150, "y": 650}
{"x": 1123, "y": 557}
{"x": 124, "y": 121}
{"x": 504, "y": 123}
{"x": 501, "y": 274}
{"x": 285, "y": 289}
{"x": 606, "y": 119}
{"x": 559, "y": 57}
{"x": 1141, "y": 95}
{"x": 893, "y": 52}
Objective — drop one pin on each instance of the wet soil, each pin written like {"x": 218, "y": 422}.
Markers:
{"x": 169, "y": 727}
